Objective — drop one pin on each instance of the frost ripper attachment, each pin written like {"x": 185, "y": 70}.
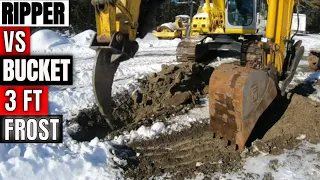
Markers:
{"x": 117, "y": 23}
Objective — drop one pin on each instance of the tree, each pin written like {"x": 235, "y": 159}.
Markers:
{"x": 312, "y": 10}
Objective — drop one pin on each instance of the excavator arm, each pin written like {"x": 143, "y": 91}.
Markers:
{"x": 285, "y": 53}
{"x": 108, "y": 14}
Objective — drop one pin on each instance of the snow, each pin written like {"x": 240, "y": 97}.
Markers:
{"x": 309, "y": 41}
{"x": 177, "y": 123}
{"x": 300, "y": 163}
{"x": 36, "y": 161}
{"x": 46, "y": 39}
{"x": 84, "y": 38}
{"x": 50, "y": 43}
{"x": 95, "y": 159}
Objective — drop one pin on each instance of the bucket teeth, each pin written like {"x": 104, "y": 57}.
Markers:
{"x": 226, "y": 141}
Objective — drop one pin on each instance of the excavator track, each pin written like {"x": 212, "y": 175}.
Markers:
{"x": 252, "y": 56}
{"x": 186, "y": 49}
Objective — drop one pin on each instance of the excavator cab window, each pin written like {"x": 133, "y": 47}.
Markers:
{"x": 240, "y": 12}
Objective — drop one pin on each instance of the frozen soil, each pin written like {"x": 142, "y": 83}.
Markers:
{"x": 194, "y": 150}
{"x": 172, "y": 91}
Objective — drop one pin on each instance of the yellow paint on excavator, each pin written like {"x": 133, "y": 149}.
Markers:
{"x": 121, "y": 17}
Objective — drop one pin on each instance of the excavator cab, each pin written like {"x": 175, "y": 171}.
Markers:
{"x": 240, "y": 13}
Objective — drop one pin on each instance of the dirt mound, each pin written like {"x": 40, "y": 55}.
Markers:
{"x": 300, "y": 121}
{"x": 172, "y": 91}
{"x": 195, "y": 150}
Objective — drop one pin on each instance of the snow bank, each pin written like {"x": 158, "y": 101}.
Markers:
{"x": 49, "y": 42}
{"x": 45, "y": 39}
{"x": 310, "y": 42}
{"x": 92, "y": 160}
{"x": 150, "y": 42}
{"x": 84, "y": 38}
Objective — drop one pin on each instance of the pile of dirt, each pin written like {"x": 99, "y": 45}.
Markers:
{"x": 195, "y": 150}
{"x": 175, "y": 89}
{"x": 300, "y": 121}
{"x": 172, "y": 91}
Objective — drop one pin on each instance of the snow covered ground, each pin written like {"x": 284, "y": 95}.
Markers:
{"x": 94, "y": 160}
{"x": 304, "y": 74}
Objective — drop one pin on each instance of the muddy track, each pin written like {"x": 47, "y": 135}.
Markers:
{"x": 180, "y": 152}
{"x": 184, "y": 153}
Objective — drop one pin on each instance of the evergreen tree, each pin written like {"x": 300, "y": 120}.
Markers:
{"x": 312, "y": 10}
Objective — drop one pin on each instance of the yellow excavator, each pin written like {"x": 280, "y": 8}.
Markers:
{"x": 238, "y": 94}
{"x": 178, "y": 29}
